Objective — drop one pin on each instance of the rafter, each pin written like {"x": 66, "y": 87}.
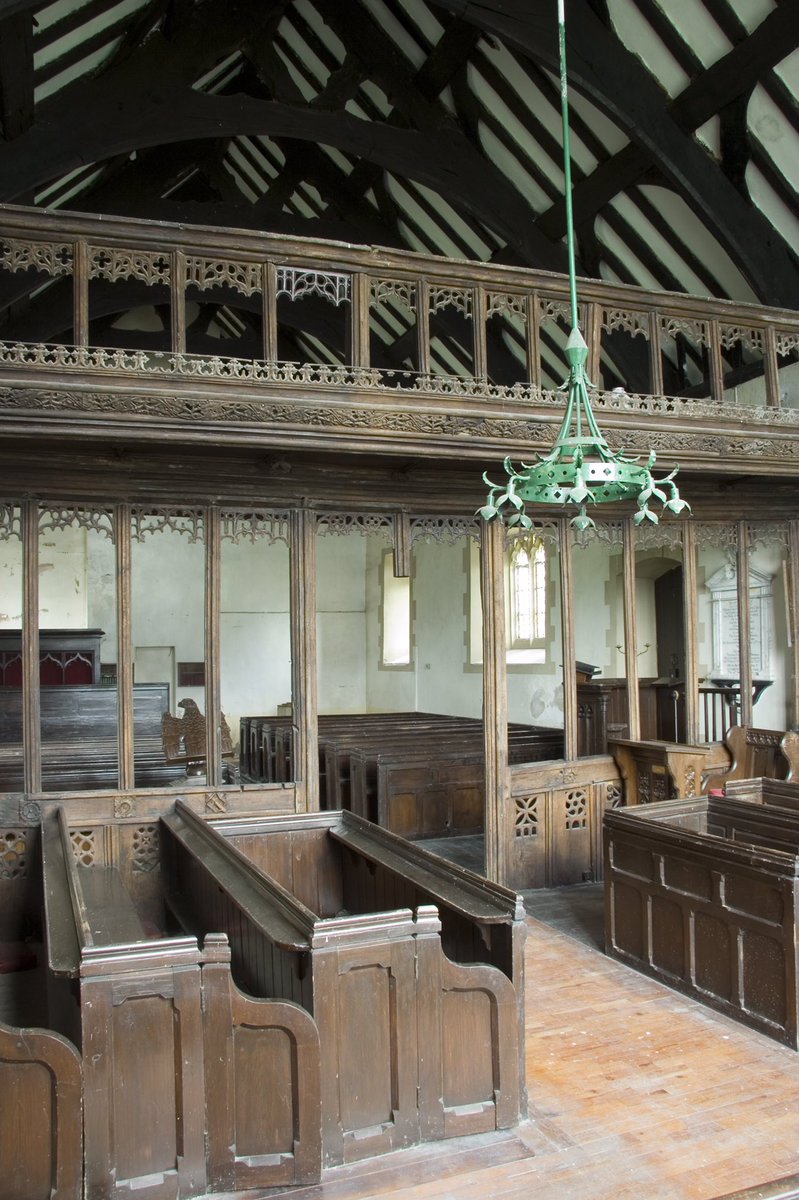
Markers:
{"x": 614, "y": 78}
{"x": 16, "y": 75}
{"x": 103, "y": 120}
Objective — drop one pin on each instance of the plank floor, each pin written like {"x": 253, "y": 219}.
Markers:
{"x": 635, "y": 1092}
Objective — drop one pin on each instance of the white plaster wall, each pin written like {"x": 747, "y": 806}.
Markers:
{"x": 388, "y": 689}
{"x": 593, "y": 629}
{"x": 443, "y": 682}
{"x": 63, "y": 572}
{"x": 535, "y": 691}
{"x": 255, "y": 630}
{"x": 168, "y": 586}
{"x": 11, "y": 584}
{"x": 341, "y": 622}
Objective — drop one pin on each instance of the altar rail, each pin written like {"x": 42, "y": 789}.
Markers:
{"x": 79, "y": 260}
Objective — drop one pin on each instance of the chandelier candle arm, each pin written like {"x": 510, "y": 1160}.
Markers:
{"x": 581, "y": 468}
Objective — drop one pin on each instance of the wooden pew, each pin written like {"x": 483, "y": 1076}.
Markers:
{"x": 189, "y": 1086}
{"x": 402, "y": 958}
{"x": 702, "y": 894}
{"x": 79, "y": 737}
{"x": 748, "y": 753}
{"x": 41, "y": 1129}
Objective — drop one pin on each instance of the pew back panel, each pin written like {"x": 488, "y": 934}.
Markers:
{"x": 386, "y": 999}
{"x": 41, "y": 1127}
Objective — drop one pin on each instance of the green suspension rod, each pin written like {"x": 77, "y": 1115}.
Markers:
{"x": 567, "y": 170}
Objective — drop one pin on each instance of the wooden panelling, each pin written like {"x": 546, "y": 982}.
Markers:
{"x": 558, "y": 820}
{"x": 714, "y": 916}
{"x": 40, "y": 1116}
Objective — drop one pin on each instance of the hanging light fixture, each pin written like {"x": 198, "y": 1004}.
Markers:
{"x": 581, "y": 468}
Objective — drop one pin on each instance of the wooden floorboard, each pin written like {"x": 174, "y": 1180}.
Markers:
{"x": 635, "y": 1092}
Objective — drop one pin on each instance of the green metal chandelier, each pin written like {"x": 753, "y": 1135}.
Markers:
{"x": 581, "y": 468}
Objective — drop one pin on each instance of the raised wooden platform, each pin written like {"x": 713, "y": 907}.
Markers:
{"x": 635, "y": 1091}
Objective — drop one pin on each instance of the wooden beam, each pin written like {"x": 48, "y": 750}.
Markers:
{"x": 303, "y": 659}
{"x": 495, "y": 701}
{"x": 601, "y": 67}
{"x": 16, "y": 75}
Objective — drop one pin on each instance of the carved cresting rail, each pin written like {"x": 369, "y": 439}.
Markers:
{"x": 386, "y": 305}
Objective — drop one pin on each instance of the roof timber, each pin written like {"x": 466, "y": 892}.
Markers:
{"x": 614, "y": 78}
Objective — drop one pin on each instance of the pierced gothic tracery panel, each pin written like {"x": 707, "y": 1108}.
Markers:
{"x": 402, "y": 290}
{"x": 448, "y": 530}
{"x": 576, "y": 809}
{"x": 99, "y": 519}
{"x": 10, "y": 523}
{"x": 252, "y": 526}
{"x": 526, "y": 823}
{"x": 339, "y": 524}
{"x": 145, "y": 857}
{"x": 205, "y": 273}
{"x": 150, "y": 267}
{"x": 296, "y": 283}
{"x": 84, "y": 846}
{"x": 13, "y": 854}
{"x": 52, "y": 258}
{"x": 189, "y": 521}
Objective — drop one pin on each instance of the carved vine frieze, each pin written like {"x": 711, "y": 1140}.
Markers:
{"x": 382, "y": 418}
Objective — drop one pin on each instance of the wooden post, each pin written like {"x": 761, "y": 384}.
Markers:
{"x": 359, "y": 319}
{"x": 771, "y": 368}
{"x": 423, "y": 325}
{"x": 744, "y": 648}
{"x": 31, "y": 712}
{"x": 123, "y": 549}
{"x": 569, "y": 653}
{"x": 80, "y": 293}
{"x": 593, "y": 338}
{"x": 533, "y": 347}
{"x": 402, "y": 545}
{"x": 655, "y": 359}
{"x": 303, "y": 659}
{"x": 631, "y": 633}
{"x": 479, "y": 322}
{"x": 716, "y": 363}
{"x": 178, "y": 298}
{"x": 793, "y": 614}
{"x": 690, "y": 605}
{"x": 213, "y": 681}
{"x": 269, "y": 314}
{"x": 495, "y": 702}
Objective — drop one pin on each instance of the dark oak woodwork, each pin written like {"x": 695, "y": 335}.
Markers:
{"x": 749, "y": 753}
{"x": 79, "y": 737}
{"x": 189, "y": 1086}
{"x": 702, "y": 895}
{"x": 41, "y": 1135}
{"x": 66, "y": 656}
{"x": 400, "y": 958}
